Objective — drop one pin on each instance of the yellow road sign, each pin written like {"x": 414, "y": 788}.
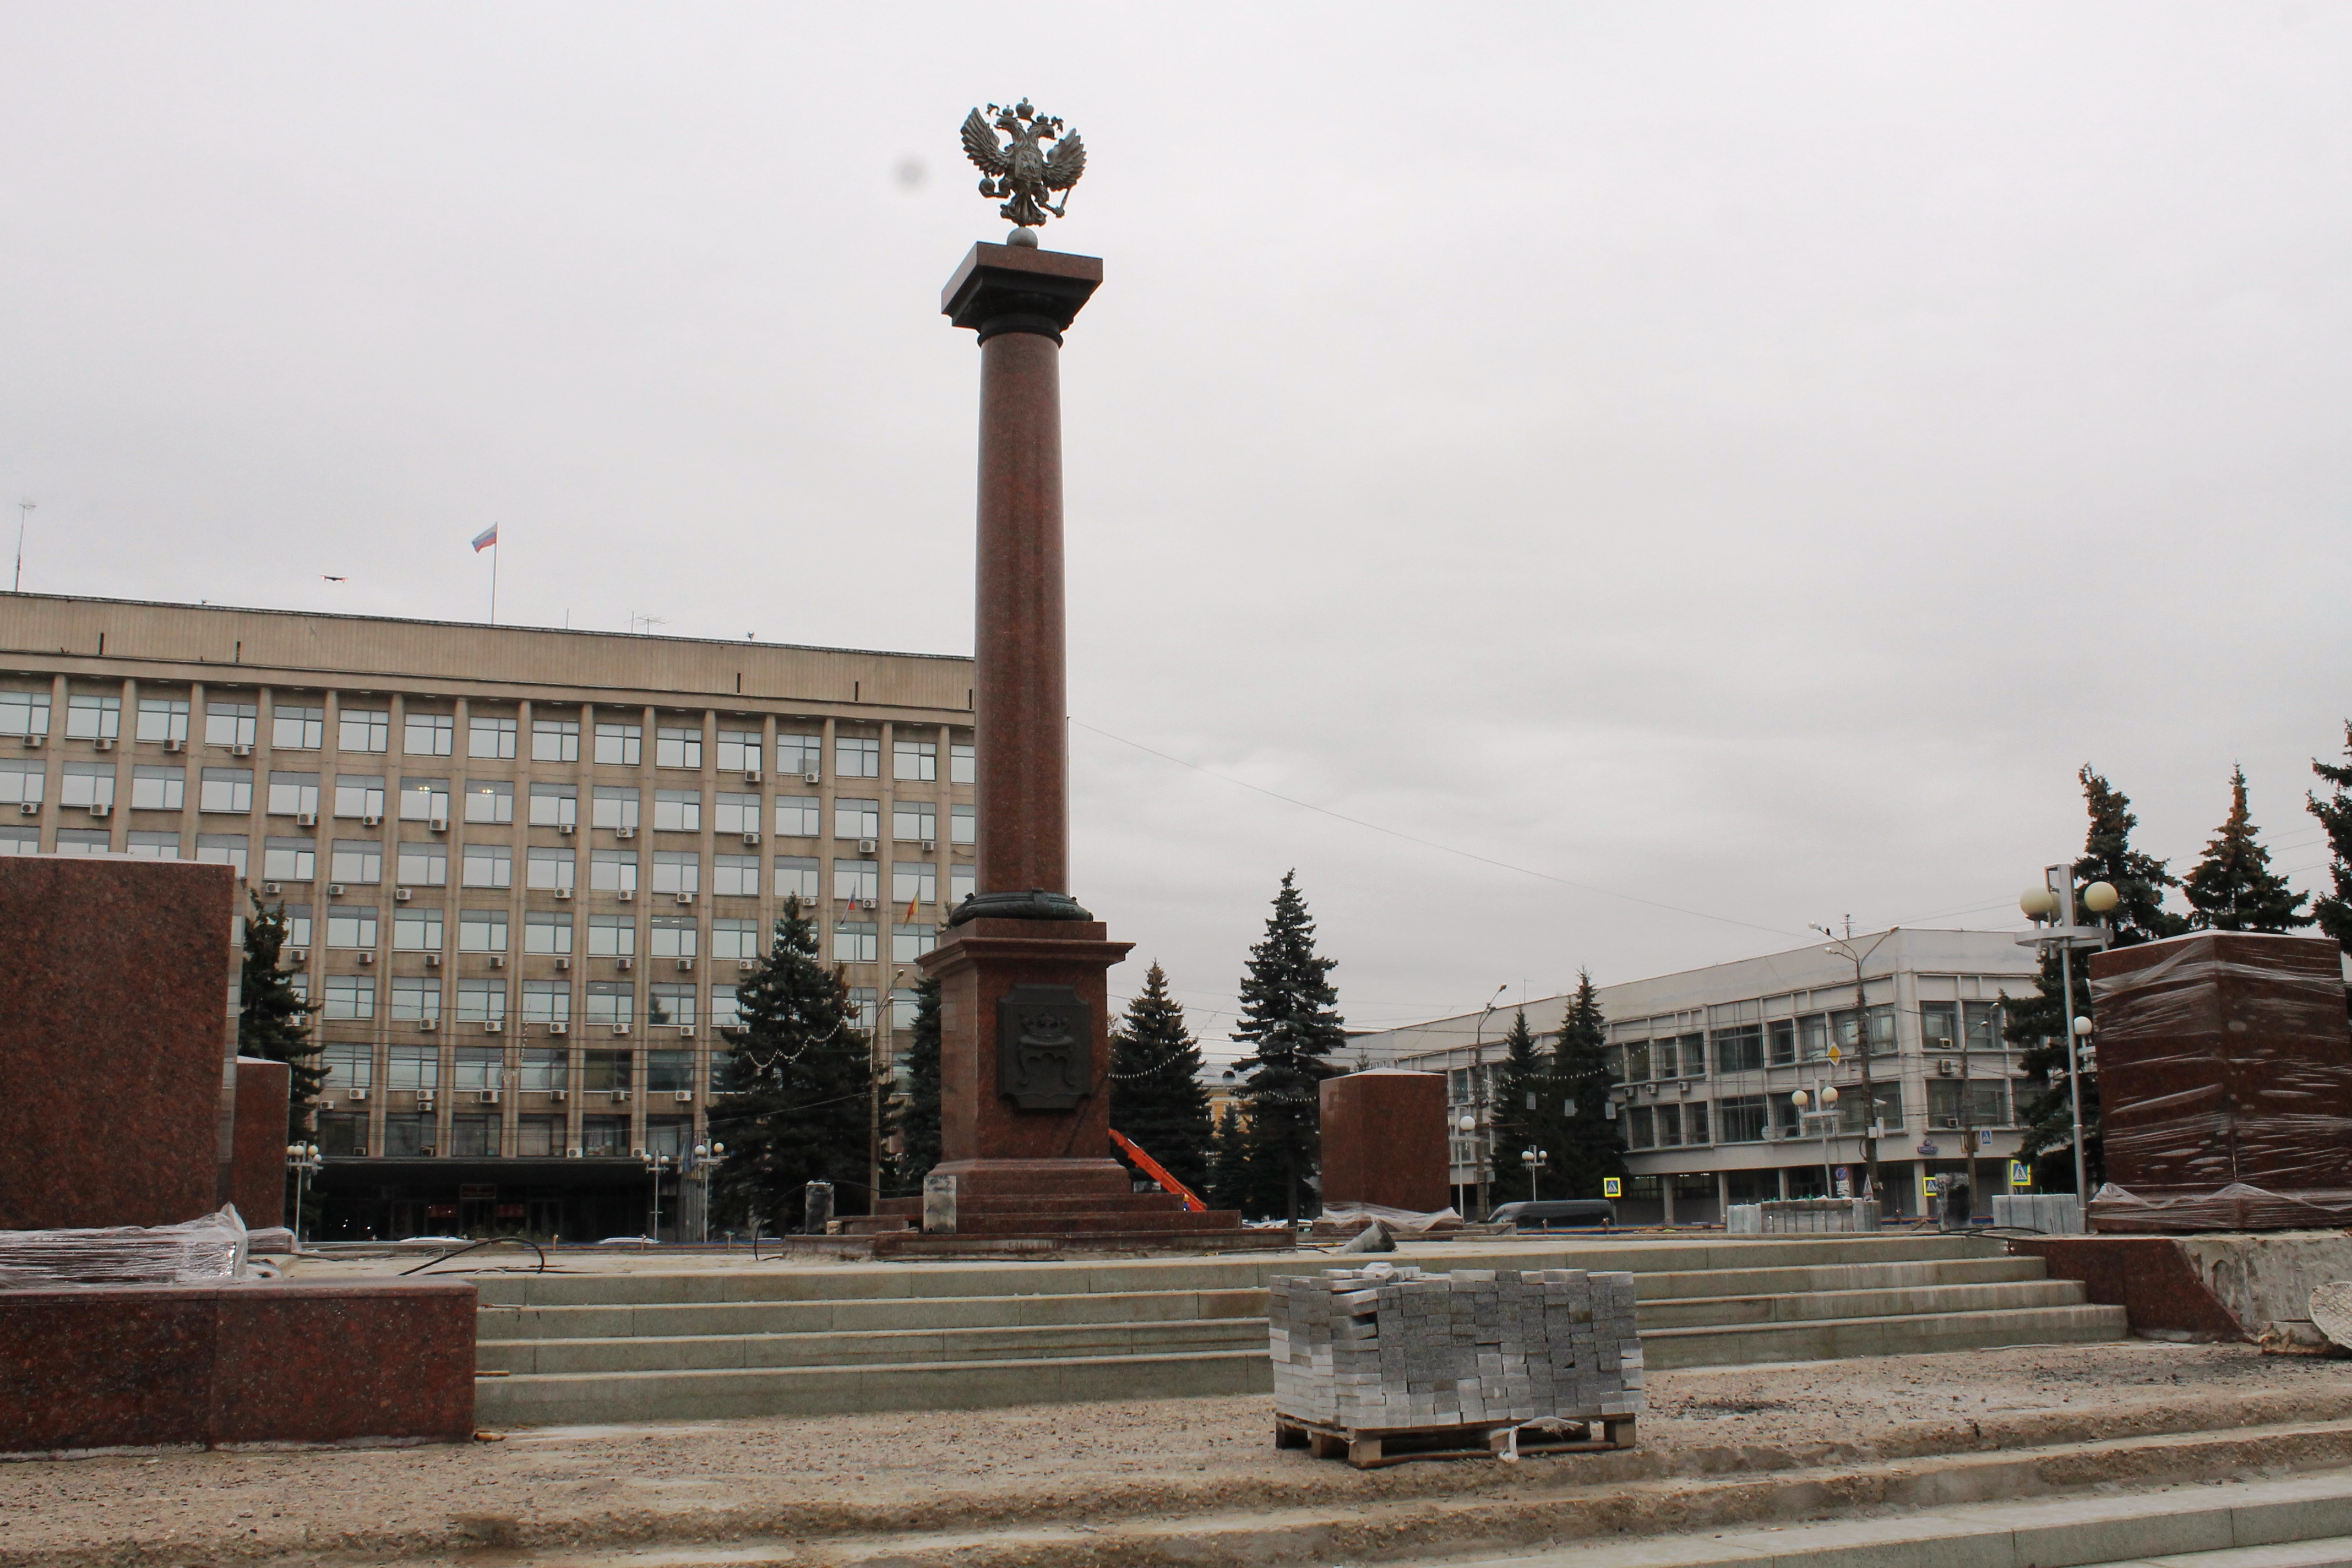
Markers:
{"x": 1610, "y": 1187}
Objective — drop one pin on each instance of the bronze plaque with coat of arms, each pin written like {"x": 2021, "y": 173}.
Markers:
{"x": 1043, "y": 1037}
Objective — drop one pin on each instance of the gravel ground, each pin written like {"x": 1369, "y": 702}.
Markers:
{"x": 1069, "y": 1462}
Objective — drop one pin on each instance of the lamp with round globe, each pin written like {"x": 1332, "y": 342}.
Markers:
{"x": 2053, "y": 905}
{"x": 302, "y": 1159}
{"x": 1827, "y": 1097}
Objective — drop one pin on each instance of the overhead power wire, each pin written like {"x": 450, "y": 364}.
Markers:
{"x": 1434, "y": 843}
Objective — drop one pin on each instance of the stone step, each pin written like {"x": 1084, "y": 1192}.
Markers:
{"x": 1080, "y": 1222}
{"x": 1840, "y": 1339}
{"x": 576, "y": 1398}
{"x": 1807, "y": 1280}
{"x": 2302, "y": 1522}
{"x": 1901, "y": 1301}
{"x": 674, "y": 1320}
{"x": 1649, "y": 1259}
{"x": 886, "y": 1348}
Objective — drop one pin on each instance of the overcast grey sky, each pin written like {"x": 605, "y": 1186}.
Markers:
{"x": 1742, "y": 457}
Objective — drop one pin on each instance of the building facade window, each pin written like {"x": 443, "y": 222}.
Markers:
{"x": 481, "y": 931}
{"x": 856, "y": 757}
{"x": 1955, "y": 1103}
{"x": 160, "y": 718}
{"x": 358, "y": 798}
{"x": 87, "y": 784}
{"x": 671, "y": 936}
{"x": 669, "y": 1072}
{"x": 424, "y": 863}
{"x": 81, "y": 841}
{"x": 735, "y": 875}
{"x": 547, "y": 1002}
{"x": 797, "y": 816}
{"x": 554, "y": 806}
{"x": 232, "y": 850}
{"x": 677, "y": 811}
{"x": 228, "y": 790}
{"x": 963, "y": 764}
{"x": 430, "y": 734}
{"x": 916, "y": 760}
{"x": 856, "y": 941}
{"x": 676, "y": 746}
{"x": 542, "y": 1069}
{"x": 669, "y": 1004}
{"x": 93, "y": 718}
{"x": 424, "y": 800}
{"x": 1743, "y": 1119}
{"x": 153, "y": 845}
{"x": 416, "y": 1000}
{"x": 351, "y": 926}
{"x": 474, "y": 1137}
{"x": 232, "y": 723}
{"x": 613, "y": 806}
{"x": 481, "y": 1001}
{"x": 736, "y": 814}
{"x": 621, "y": 745}
{"x": 726, "y": 1012}
{"x": 293, "y": 728}
{"x": 1740, "y": 1049}
{"x": 154, "y": 788}
{"x": 796, "y": 877}
{"x": 612, "y": 871}
{"x": 961, "y": 880}
{"x": 489, "y": 800}
{"x": 909, "y": 942}
{"x": 289, "y": 859}
{"x": 350, "y": 997}
{"x": 913, "y": 882}
{"x": 293, "y": 794}
{"x": 612, "y": 1002}
{"x": 612, "y": 936}
{"x": 550, "y": 868}
{"x": 856, "y": 818}
{"x": 676, "y": 871}
{"x": 23, "y": 781}
{"x": 1852, "y": 1122}
{"x": 963, "y": 822}
{"x": 603, "y": 1136}
{"x": 489, "y": 866}
{"x": 409, "y": 1133}
{"x": 555, "y": 739}
{"x": 416, "y": 930}
{"x": 364, "y": 729}
{"x": 490, "y": 736}
{"x": 739, "y": 751}
{"x": 358, "y": 860}
{"x": 349, "y": 1065}
{"x": 547, "y": 930}
{"x": 734, "y": 938}
{"x": 857, "y": 879}
{"x": 914, "y": 820}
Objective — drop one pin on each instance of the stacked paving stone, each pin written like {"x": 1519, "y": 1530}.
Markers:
{"x": 1389, "y": 1347}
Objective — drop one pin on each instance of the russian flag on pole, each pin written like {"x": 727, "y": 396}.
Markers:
{"x": 485, "y": 539}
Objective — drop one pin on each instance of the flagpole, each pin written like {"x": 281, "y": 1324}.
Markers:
{"x": 494, "y": 582}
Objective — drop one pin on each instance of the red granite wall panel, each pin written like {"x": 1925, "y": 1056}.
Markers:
{"x": 1384, "y": 1140}
{"x": 115, "y": 1078}
{"x": 258, "y": 1184}
{"x": 119, "y": 1366}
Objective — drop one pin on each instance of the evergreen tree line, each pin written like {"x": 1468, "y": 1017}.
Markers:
{"x": 2232, "y": 887}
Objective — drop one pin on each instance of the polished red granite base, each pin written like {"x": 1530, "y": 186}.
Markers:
{"x": 257, "y": 1184}
{"x": 1385, "y": 1140}
{"x": 139, "y": 1365}
{"x": 114, "y": 1041}
{"x": 2150, "y": 1277}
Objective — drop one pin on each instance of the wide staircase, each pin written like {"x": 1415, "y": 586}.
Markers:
{"x": 765, "y": 1340}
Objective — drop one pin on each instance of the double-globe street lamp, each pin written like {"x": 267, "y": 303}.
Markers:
{"x": 302, "y": 1159}
{"x": 1535, "y": 1159}
{"x": 1827, "y": 1095}
{"x": 2051, "y": 907}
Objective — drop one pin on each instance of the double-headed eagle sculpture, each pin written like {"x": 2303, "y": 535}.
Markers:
{"x": 1023, "y": 170}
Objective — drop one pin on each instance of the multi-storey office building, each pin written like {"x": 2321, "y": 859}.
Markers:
{"x": 524, "y": 869}
{"x": 1705, "y": 1062}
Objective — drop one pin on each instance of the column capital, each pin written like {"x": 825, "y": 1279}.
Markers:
{"x": 1018, "y": 289}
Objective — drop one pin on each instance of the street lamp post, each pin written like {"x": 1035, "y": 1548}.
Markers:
{"x": 655, "y": 1166}
{"x": 697, "y": 1169}
{"x": 1845, "y": 949}
{"x": 2054, "y": 901}
{"x": 1478, "y": 1094}
{"x": 1535, "y": 1159}
{"x": 1827, "y": 1097}
{"x": 302, "y": 1159}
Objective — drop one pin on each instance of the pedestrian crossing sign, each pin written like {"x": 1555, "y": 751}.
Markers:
{"x": 1610, "y": 1187}
{"x": 2020, "y": 1174}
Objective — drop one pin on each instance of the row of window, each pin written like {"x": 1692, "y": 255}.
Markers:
{"x": 1754, "y": 1117}
{"x": 479, "y": 1137}
{"x": 158, "y": 787}
{"x": 356, "y": 928}
{"x": 1784, "y": 1042}
{"x": 294, "y": 727}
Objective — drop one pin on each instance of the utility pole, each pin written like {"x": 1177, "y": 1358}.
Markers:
{"x": 24, "y": 515}
{"x": 1844, "y": 947}
{"x": 1478, "y": 1095}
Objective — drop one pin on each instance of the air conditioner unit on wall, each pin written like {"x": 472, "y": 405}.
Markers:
{"x": 563, "y": 960}
{"x": 559, "y": 1027}
{"x": 562, "y": 893}
{"x": 371, "y": 822}
{"x": 240, "y": 751}
{"x": 357, "y": 1096}
{"x": 931, "y": 846}
{"x": 567, "y": 828}
{"x": 401, "y": 895}
{"x": 367, "y": 957}
{"x": 810, "y": 778}
{"x": 620, "y": 1028}
{"x": 334, "y": 889}
{"x": 494, "y": 1026}
{"x": 624, "y": 833}
{"x": 306, "y": 819}
{"x": 297, "y": 955}
{"x": 428, "y": 1025}
{"x": 751, "y": 838}
{"x": 620, "y": 1097}
{"x": 628, "y": 895}
{"x": 33, "y": 742}
{"x": 750, "y": 775}
{"x": 686, "y": 964}
{"x": 686, "y": 1031}
{"x": 867, "y": 846}
{"x": 432, "y": 960}
{"x": 498, "y": 961}
{"x": 488, "y": 1097}
{"x": 29, "y": 807}
{"x": 684, "y": 1097}
{"x": 175, "y": 744}
{"x": 686, "y": 898}
{"x": 271, "y": 888}
{"x": 101, "y": 809}
{"x": 559, "y": 1095}
{"x": 1948, "y": 1067}
{"x": 104, "y": 742}
{"x": 625, "y": 963}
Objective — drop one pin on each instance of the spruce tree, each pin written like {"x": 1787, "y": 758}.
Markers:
{"x": 1231, "y": 1183}
{"x": 1156, "y": 1096}
{"x": 917, "y": 1117}
{"x": 2039, "y": 1023}
{"x": 2233, "y": 886}
{"x": 272, "y": 1021}
{"x": 1590, "y": 1144}
{"x": 1526, "y": 1107}
{"x": 2333, "y": 909}
{"x": 1286, "y": 1014}
{"x": 797, "y": 1067}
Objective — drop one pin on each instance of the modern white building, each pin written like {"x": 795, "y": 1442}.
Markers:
{"x": 1706, "y": 1062}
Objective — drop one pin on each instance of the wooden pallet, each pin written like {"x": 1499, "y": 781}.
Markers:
{"x": 1371, "y": 1448}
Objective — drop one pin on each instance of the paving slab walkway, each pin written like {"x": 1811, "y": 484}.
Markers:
{"x": 863, "y": 1482}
